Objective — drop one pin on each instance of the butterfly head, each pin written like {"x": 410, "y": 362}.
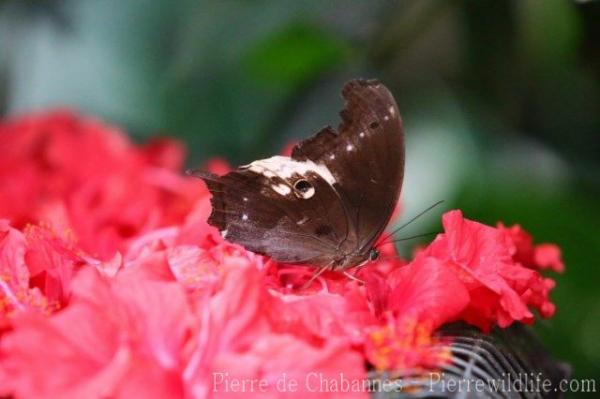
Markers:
{"x": 357, "y": 259}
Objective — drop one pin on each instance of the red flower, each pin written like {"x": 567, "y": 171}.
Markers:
{"x": 420, "y": 297}
{"x": 36, "y": 269}
{"x": 541, "y": 256}
{"x": 131, "y": 293}
{"x": 52, "y": 261}
{"x": 323, "y": 316}
{"x": 111, "y": 341}
{"x": 291, "y": 368}
{"x": 240, "y": 340}
{"x": 78, "y": 173}
{"x": 15, "y": 291}
{"x": 402, "y": 345}
{"x": 500, "y": 288}
{"x": 427, "y": 290}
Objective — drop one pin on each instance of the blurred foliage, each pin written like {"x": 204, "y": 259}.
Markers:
{"x": 500, "y": 99}
{"x": 294, "y": 56}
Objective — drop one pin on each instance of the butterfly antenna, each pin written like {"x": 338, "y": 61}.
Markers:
{"x": 397, "y": 257}
{"x": 410, "y": 238}
{"x": 412, "y": 220}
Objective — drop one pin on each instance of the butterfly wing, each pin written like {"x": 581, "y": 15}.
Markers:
{"x": 329, "y": 202}
{"x": 366, "y": 157}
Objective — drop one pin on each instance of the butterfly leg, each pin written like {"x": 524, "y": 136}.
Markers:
{"x": 353, "y": 277}
{"x": 315, "y": 275}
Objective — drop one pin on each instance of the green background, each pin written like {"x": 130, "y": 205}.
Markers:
{"x": 500, "y": 99}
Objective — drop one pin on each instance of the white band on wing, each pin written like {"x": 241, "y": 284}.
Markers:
{"x": 285, "y": 167}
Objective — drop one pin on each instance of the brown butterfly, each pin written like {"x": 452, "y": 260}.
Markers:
{"x": 329, "y": 202}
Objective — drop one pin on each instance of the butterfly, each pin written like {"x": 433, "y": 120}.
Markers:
{"x": 328, "y": 203}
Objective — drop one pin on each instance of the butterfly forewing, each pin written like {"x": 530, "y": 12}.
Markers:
{"x": 269, "y": 214}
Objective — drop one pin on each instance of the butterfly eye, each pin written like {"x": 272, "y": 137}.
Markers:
{"x": 374, "y": 125}
{"x": 373, "y": 254}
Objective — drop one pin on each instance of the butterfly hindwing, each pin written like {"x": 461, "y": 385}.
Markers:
{"x": 292, "y": 217}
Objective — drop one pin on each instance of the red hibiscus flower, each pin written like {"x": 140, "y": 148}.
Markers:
{"x": 80, "y": 174}
{"x": 419, "y": 298}
{"x": 112, "y": 283}
{"x": 240, "y": 341}
{"x": 114, "y": 337}
{"x": 500, "y": 288}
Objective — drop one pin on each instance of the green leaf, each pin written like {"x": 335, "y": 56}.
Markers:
{"x": 294, "y": 55}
